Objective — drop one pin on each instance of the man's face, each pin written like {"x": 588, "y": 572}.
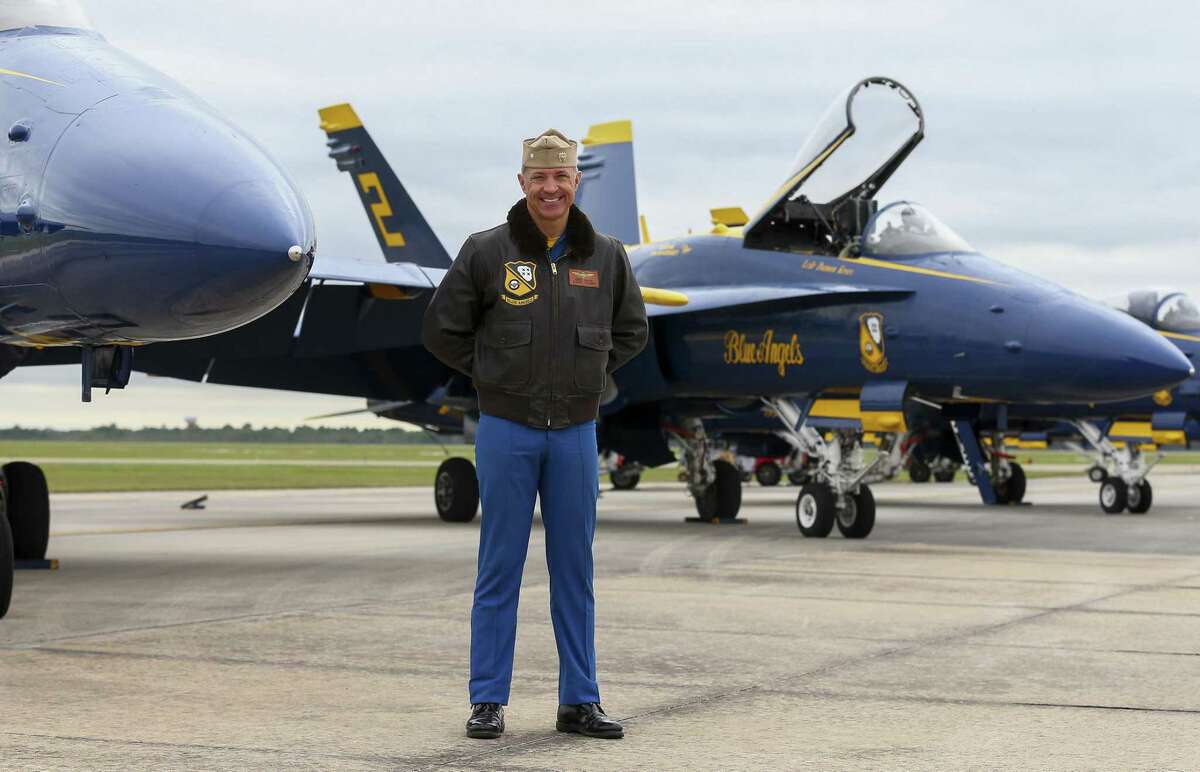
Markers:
{"x": 550, "y": 192}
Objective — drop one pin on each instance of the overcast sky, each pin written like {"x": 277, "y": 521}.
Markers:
{"x": 1060, "y": 137}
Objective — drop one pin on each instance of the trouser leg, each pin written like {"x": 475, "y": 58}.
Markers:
{"x": 507, "y": 460}
{"x": 569, "y": 487}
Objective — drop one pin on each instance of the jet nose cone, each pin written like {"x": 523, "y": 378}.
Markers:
{"x": 1086, "y": 352}
{"x": 166, "y": 222}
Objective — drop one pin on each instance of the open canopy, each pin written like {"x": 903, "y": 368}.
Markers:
{"x": 15, "y": 14}
{"x": 855, "y": 147}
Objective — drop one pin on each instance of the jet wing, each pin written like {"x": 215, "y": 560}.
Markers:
{"x": 395, "y": 274}
{"x": 713, "y": 298}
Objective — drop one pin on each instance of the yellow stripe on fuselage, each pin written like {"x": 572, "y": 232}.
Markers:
{"x": 1180, "y": 336}
{"x": 27, "y": 75}
{"x": 663, "y": 297}
{"x": 914, "y": 269}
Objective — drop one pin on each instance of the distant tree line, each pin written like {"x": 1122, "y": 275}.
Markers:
{"x": 229, "y": 433}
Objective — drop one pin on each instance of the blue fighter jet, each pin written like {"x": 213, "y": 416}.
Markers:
{"x": 823, "y": 302}
{"x": 131, "y": 213}
{"x": 1113, "y": 433}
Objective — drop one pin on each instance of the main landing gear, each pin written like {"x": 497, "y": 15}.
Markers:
{"x": 1121, "y": 472}
{"x": 24, "y": 521}
{"x": 456, "y": 491}
{"x": 626, "y": 476}
{"x": 999, "y": 478}
{"x": 715, "y": 484}
{"x": 837, "y": 492}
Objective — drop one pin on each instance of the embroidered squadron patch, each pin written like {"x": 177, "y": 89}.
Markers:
{"x": 870, "y": 343}
{"x": 520, "y": 279}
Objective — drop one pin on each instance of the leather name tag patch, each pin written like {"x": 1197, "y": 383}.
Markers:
{"x": 583, "y": 278}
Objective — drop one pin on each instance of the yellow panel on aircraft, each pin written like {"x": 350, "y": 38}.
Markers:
{"x": 645, "y": 230}
{"x": 338, "y": 118}
{"x": 1130, "y": 429}
{"x": 730, "y": 216}
{"x": 663, "y": 297}
{"x": 1169, "y": 437}
{"x": 609, "y": 133}
{"x": 883, "y": 421}
{"x": 835, "y": 408}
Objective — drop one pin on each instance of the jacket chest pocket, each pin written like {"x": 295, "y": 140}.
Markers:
{"x": 504, "y": 356}
{"x": 591, "y": 356}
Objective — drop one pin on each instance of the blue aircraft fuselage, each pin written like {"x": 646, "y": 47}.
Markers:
{"x": 953, "y": 326}
{"x": 130, "y": 212}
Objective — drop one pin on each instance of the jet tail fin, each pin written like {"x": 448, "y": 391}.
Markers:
{"x": 608, "y": 192}
{"x": 403, "y": 233}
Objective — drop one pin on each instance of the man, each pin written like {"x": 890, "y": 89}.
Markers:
{"x": 539, "y": 312}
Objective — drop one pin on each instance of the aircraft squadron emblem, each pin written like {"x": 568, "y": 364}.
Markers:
{"x": 870, "y": 343}
{"x": 520, "y": 279}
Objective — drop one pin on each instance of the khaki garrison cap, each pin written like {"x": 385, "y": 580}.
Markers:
{"x": 550, "y": 150}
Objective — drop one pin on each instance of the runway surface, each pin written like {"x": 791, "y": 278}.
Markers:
{"x": 328, "y": 629}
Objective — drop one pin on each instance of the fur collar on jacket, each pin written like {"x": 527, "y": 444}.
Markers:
{"x": 580, "y": 235}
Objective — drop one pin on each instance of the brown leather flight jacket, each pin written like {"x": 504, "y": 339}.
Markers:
{"x": 538, "y": 339}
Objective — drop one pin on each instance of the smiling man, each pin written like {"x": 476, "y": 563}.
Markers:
{"x": 539, "y": 312}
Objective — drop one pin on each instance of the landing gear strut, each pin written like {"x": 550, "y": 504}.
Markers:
{"x": 1121, "y": 472}
{"x": 715, "y": 484}
{"x": 839, "y": 494}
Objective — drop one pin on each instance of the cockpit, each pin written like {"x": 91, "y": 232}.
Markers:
{"x": 17, "y": 14}
{"x": 905, "y": 229}
{"x": 1164, "y": 310}
{"x": 828, "y": 198}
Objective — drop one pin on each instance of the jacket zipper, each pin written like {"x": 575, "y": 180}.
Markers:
{"x": 553, "y": 333}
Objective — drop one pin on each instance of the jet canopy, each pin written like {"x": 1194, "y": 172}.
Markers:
{"x": 904, "y": 229}
{"x": 16, "y": 14}
{"x": 856, "y": 146}
{"x": 1164, "y": 310}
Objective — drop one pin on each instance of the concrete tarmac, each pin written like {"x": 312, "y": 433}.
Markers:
{"x": 329, "y": 629}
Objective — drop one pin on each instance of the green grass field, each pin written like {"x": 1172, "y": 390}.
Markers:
{"x": 204, "y": 466}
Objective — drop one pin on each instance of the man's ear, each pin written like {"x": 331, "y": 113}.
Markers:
{"x": 578, "y": 177}
{"x": 521, "y": 181}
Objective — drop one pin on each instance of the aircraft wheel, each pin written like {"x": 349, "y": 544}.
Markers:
{"x": 624, "y": 479}
{"x": 28, "y": 505}
{"x": 1113, "y": 495}
{"x": 1012, "y": 490}
{"x": 768, "y": 474}
{"x": 918, "y": 471}
{"x": 456, "y": 491}
{"x": 1097, "y": 474}
{"x": 1139, "y": 497}
{"x": 857, "y": 518}
{"x": 815, "y": 510}
{"x": 723, "y": 497}
{"x": 6, "y": 565}
{"x": 945, "y": 475}
{"x": 797, "y": 478}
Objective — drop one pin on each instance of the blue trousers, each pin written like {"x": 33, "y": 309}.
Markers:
{"x": 516, "y": 463}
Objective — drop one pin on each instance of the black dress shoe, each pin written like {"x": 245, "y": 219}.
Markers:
{"x": 588, "y": 719}
{"x": 486, "y": 721}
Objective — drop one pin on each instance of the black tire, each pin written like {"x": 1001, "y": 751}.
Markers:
{"x": 768, "y": 474}
{"x": 918, "y": 471}
{"x": 945, "y": 475}
{"x": 1139, "y": 498}
{"x": 796, "y": 478}
{"x": 456, "y": 491}
{"x": 1012, "y": 490}
{"x": 1113, "y": 495}
{"x": 28, "y": 505}
{"x": 6, "y": 565}
{"x": 815, "y": 510}
{"x": 722, "y": 499}
{"x": 857, "y": 518}
{"x": 1097, "y": 474}
{"x": 624, "y": 479}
